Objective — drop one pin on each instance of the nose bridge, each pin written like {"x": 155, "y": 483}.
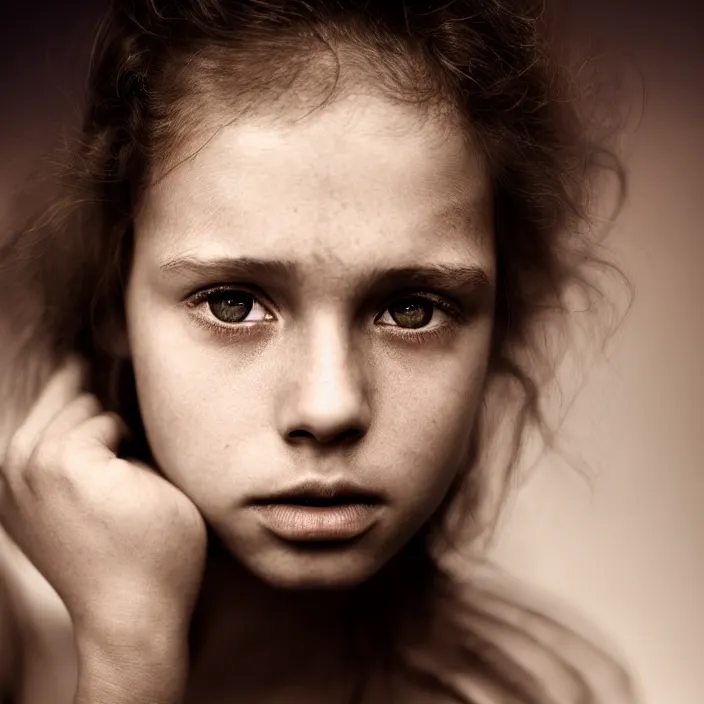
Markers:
{"x": 327, "y": 390}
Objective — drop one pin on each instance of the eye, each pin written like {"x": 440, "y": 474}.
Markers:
{"x": 414, "y": 312}
{"x": 231, "y": 306}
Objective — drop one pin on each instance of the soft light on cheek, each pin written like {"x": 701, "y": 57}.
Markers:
{"x": 433, "y": 401}
{"x": 195, "y": 391}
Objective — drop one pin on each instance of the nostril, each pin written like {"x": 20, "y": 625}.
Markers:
{"x": 343, "y": 437}
{"x": 295, "y": 434}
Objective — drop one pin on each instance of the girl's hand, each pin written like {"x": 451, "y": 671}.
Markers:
{"x": 122, "y": 547}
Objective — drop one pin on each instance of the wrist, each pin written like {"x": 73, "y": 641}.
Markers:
{"x": 142, "y": 664}
{"x": 124, "y": 619}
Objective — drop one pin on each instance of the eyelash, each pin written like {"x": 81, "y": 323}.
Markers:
{"x": 413, "y": 335}
{"x": 222, "y": 329}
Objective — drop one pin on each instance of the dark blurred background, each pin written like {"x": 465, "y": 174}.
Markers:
{"x": 44, "y": 46}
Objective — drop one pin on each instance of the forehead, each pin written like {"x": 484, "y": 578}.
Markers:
{"x": 360, "y": 179}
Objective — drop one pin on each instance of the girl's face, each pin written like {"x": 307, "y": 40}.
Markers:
{"x": 311, "y": 304}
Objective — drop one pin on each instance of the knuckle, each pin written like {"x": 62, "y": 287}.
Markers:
{"x": 81, "y": 408}
{"x": 103, "y": 418}
{"x": 63, "y": 455}
{"x": 31, "y": 485}
{"x": 114, "y": 421}
{"x": 18, "y": 452}
{"x": 77, "y": 435}
{"x": 90, "y": 404}
{"x": 45, "y": 456}
{"x": 107, "y": 422}
{"x": 48, "y": 468}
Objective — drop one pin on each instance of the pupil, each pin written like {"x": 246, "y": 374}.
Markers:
{"x": 231, "y": 308}
{"x": 412, "y": 313}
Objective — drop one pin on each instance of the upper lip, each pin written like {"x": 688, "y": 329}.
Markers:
{"x": 311, "y": 490}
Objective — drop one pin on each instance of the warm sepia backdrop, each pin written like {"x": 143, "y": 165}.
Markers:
{"x": 628, "y": 548}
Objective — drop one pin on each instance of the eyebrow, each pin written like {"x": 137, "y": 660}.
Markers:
{"x": 228, "y": 268}
{"x": 446, "y": 277}
{"x": 443, "y": 276}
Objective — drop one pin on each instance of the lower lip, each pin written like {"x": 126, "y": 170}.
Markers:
{"x": 315, "y": 523}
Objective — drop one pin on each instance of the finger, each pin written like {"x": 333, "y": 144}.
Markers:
{"x": 61, "y": 389}
{"x": 81, "y": 409}
{"x": 98, "y": 439}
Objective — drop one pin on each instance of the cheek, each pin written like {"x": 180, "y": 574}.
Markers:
{"x": 196, "y": 406}
{"x": 428, "y": 415}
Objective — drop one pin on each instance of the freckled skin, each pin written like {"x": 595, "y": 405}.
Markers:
{"x": 319, "y": 386}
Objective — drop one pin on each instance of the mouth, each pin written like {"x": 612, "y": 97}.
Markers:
{"x": 322, "y": 495}
{"x": 320, "y": 502}
{"x": 317, "y": 512}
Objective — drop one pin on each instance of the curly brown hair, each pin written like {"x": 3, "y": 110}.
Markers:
{"x": 491, "y": 65}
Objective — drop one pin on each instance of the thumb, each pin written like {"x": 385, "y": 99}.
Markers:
{"x": 98, "y": 438}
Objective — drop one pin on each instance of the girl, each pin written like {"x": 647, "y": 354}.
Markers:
{"x": 261, "y": 336}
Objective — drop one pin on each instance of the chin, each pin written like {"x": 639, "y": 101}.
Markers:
{"x": 306, "y": 582}
{"x": 314, "y": 566}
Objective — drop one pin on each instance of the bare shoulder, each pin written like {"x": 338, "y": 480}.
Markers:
{"x": 541, "y": 645}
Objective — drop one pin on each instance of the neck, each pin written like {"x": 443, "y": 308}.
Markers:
{"x": 243, "y": 629}
{"x": 303, "y": 636}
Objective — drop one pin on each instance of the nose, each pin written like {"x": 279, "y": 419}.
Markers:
{"x": 326, "y": 397}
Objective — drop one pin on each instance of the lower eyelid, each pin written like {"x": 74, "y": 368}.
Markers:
{"x": 233, "y": 330}
{"x": 421, "y": 336}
